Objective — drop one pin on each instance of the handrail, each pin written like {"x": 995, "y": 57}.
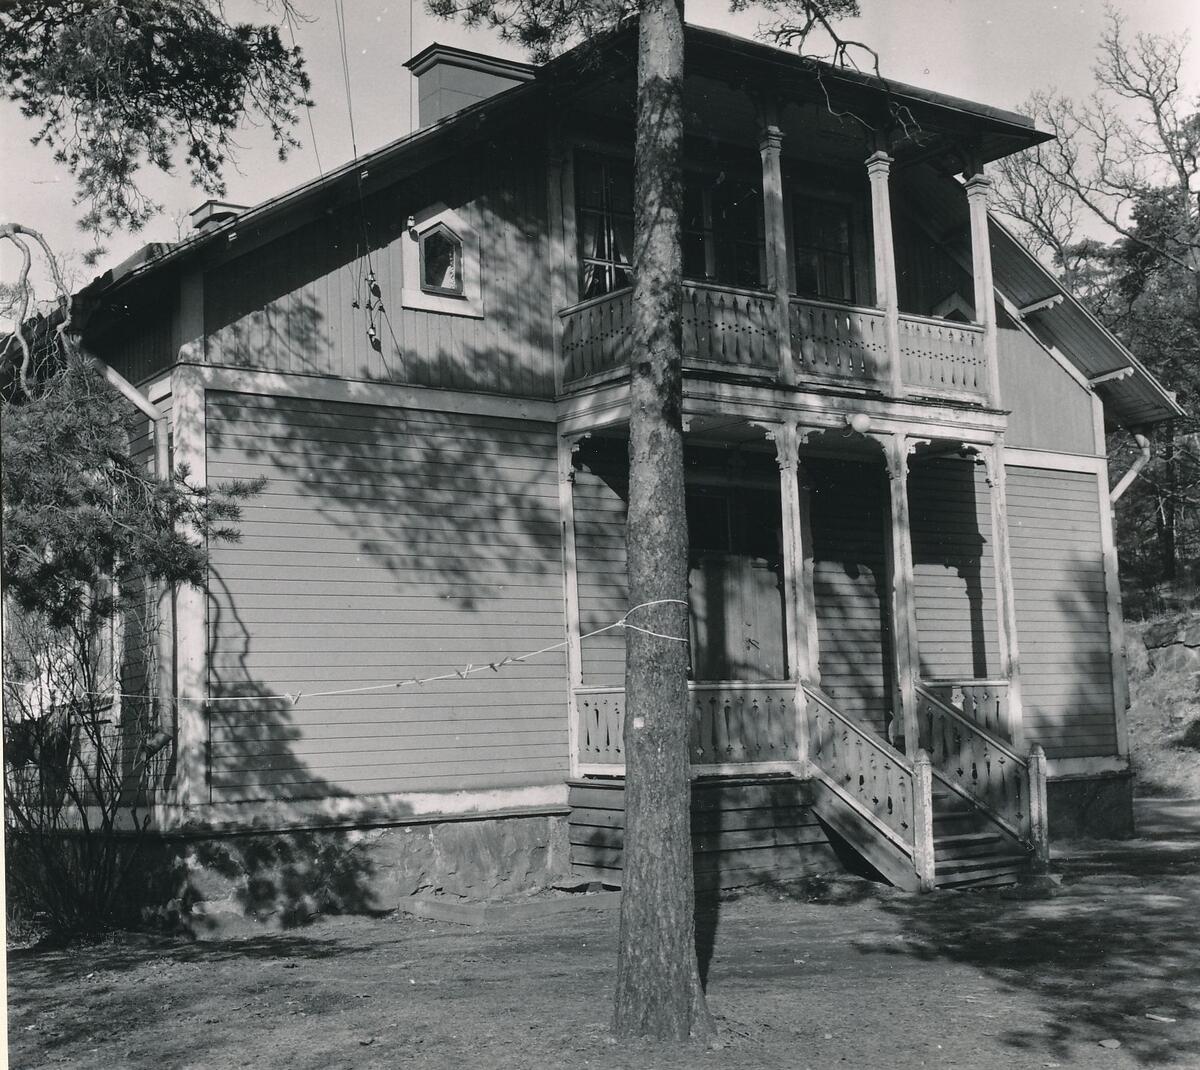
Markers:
{"x": 934, "y": 321}
{"x": 970, "y": 725}
{"x": 899, "y": 797}
{"x": 881, "y": 745}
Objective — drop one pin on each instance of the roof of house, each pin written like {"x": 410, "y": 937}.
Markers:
{"x": 1135, "y": 400}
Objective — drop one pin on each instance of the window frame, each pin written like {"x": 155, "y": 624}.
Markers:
{"x": 468, "y": 302}
{"x": 436, "y": 231}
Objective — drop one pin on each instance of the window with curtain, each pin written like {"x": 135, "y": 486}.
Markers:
{"x": 604, "y": 206}
{"x": 723, "y": 232}
{"x": 823, "y": 248}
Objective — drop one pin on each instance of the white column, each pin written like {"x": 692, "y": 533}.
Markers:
{"x": 905, "y": 654}
{"x": 566, "y": 508}
{"x": 191, "y": 606}
{"x": 879, "y": 168}
{"x": 978, "y": 186}
{"x": 770, "y": 148}
{"x": 1006, "y": 601}
{"x": 797, "y": 613}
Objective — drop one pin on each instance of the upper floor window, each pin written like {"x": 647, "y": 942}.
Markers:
{"x": 604, "y": 205}
{"x": 441, "y": 261}
{"x": 440, "y": 258}
{"x": 723, "y": 234}
{"x": 823, "y": 248}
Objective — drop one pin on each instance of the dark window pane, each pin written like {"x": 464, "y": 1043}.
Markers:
{"x": 441, "y": 268}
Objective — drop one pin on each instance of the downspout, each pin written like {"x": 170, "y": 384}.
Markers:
{"x": 1139, "y": 462}
{"x": 127, "y": 390}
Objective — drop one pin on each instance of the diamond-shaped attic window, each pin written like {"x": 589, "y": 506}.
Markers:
{"x": 441, "y": 261}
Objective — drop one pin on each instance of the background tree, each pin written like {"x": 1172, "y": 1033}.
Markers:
{"x": 658, "y": 990}
{"x": 117, "y": 84}
{"x": 1125, "y": 164}
{"x": 91, "y": 532}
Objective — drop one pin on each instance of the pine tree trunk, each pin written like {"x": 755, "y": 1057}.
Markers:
{"x": 658, "y": 982}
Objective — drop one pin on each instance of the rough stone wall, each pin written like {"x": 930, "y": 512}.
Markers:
{"x": 1098, "y": 807}
{"x": 284, "y": 879}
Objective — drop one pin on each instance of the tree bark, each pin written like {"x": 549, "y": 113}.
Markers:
{"x": 658, "y": 990}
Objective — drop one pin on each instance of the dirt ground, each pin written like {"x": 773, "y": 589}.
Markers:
{"x": 970, "y": 981}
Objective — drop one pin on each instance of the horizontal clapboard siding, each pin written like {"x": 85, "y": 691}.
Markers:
{"x": 846, "y": 511}
{"x": 953, "y": 568}
{"x": 599, "y": 509}
{"x": 743, "y": 832}
{"x": 1062, "y": 620}
{"x": 385, "y": 545}
{"x": 289, "y": 306}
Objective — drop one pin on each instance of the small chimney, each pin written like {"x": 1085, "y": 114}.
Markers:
{"x": 450, "y": 79}
{"x": 213, "y": 213}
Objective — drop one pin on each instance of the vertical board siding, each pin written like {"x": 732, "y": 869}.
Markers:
{"x": 1062, "y": 614}
{"x": 847, "y": 516}
{"x": 144, "y": 343}
{"x": 288, "y": 306}
{"x": 600, "y": 564}
{"x": 1050, "y": 410}
{"x": 953, "y": 568}
{"x": 926, "y": 274}
{"x": 387, "y": 544}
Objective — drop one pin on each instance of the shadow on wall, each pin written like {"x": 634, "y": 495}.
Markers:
{"x": 388, "y": 545}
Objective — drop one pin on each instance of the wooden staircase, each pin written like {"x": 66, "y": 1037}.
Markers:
{"x": 965, "y": 812}
{"x": 969, "y": 850}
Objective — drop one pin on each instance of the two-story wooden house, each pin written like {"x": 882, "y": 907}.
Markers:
{"x": 905, "y": 617}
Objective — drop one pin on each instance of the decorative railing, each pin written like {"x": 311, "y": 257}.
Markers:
{"x": 838, "y": 342}
{"x": 982, "y": 702}
{"x": 830, "y": 342}
{"x": 732, "y": 724}
{"x": 943, "y": 359}
{"x": 730, "y": 326}
{"x": 864, "y": 768}
{"x": 980, "y": 766}
{"x": 721, "y": 324}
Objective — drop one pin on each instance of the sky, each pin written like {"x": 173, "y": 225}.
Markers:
{"x": 992, "y": 51}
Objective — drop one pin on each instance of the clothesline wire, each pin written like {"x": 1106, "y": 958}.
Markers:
{"x": 459, "y": 674}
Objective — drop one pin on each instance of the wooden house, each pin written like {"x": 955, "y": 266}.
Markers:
{"x": 905, "y": 617}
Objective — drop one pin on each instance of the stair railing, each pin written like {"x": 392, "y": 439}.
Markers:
{"x": 879, "y": 783}
{"x": 984, "y": 769}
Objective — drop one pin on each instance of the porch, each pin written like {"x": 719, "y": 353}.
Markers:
{"x": 731, "y": 329}
{"x": 851, "y": 630}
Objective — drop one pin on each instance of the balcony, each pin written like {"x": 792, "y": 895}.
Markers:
{"x": 832, "y": 344}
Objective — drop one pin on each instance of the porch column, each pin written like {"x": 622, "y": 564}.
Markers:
{"x": 797, "y": 613}
{"x": 770, "y": 148}
{"x": 1006, "y": 603}
{"x": 566, "y": 510}
{"x": 978, "y": 187}
{"x": 879, "y": 168}
{"x": 905, "y": 655}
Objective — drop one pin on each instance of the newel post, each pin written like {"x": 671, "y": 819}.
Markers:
{"x": 770, "y": 148}
{"x": 879, "y": 168}
{"x": 923, "y": 849}
{"x": 978, "y": 188}
{"x": 1039, "y": 817}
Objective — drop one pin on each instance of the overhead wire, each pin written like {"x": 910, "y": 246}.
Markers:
{"x": 470, "y": 669}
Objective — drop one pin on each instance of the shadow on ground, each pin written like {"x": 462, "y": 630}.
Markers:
{"x": 1117, "y": 941}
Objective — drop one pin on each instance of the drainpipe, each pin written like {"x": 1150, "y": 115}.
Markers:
{"x": 134, "y": 395}
{"x": 1139, "y": 463}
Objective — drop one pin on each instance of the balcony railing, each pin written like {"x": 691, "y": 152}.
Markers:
{"x": 831, "y": 343}
{"x": 734, "y": 727}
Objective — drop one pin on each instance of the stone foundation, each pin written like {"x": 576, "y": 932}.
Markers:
{"x": 1099, "y": 806}
{"x": 283, "y": 879}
